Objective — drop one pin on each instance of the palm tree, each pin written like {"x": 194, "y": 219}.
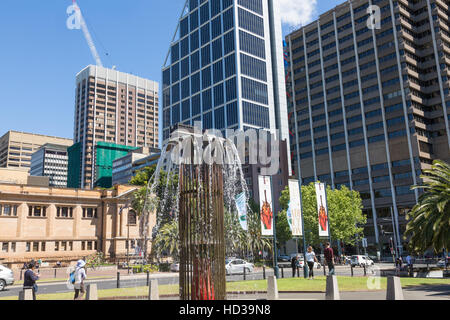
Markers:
{"x": 429, "y": 220}
{"x": 167, "y": 240}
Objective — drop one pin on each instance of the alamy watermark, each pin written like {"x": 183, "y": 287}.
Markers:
{"x": 253, "y": 146}
{"x": 374, "y": 19}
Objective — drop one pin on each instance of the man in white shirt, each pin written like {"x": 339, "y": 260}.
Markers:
{"x": 80, "y": 276}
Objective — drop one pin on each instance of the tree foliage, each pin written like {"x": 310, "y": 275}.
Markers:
{"x": 429, "y": 220}
{"x": 167, "y": 240}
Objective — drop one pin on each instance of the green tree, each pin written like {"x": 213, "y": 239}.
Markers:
{"x": 344, "y": 213}
{"x": 283, "y": 230}
{"x": 429, "y": 220}
{"x": 167, "y": 240}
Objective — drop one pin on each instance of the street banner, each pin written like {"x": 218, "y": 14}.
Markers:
{"x": 241, "y": 205}
{"x": 322, "y": 209}
{"x": 295, "y": 211}
{"x": 265, "y": 203}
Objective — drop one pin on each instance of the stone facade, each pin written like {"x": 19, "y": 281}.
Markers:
{"x": 65, "y": 224}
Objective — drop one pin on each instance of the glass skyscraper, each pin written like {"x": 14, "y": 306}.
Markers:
{"x": 225, "y": 67}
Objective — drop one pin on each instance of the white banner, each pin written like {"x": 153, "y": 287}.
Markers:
{"x": 265, "y": 203}
{"x": 241, "y": 205}
{"x": 295, "y": 208}
{"x": 322, "y": 210}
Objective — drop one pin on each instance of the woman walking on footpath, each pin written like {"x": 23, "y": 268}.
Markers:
{"x": 80, "y": 276}
{"x": 310, "y": 259}
{"x": 30, "y": 279}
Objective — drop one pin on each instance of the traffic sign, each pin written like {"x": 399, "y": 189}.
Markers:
{"x": 364, "y": 242}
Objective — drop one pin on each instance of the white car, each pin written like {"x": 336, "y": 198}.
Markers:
{"x": 237, "y": 266}
{"x": 360, "y": 261}
{"x": 6, "y": 277}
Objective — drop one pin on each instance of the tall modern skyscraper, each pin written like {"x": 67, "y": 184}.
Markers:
{"x": 114, "y": 108}
{"x": 370, "y": 104}
{"x": 225, "y": 67}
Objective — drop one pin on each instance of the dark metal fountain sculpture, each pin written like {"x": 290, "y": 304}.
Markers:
{"x": 201, "y": 223}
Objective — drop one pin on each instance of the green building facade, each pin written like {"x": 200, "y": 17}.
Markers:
{"x": 105, "y": 154}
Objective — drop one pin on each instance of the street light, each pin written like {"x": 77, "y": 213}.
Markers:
{"x": 128, "y": 236}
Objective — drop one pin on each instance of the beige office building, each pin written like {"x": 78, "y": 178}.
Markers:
{"x": 369, "y": 103}
{"x": 113, "y": 107}
{"x": 17, "y": 147}
{"x": 55, "y": 224}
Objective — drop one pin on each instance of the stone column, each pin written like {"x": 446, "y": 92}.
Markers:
{"x": 22, "y": 213}
{"x": 77, "y": 215}
{"x": 50, "y": 224}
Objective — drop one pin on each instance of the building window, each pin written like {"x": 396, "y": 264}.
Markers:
{"x": 13, "y": 246}
{"x": 57, "y": 246}
{"x": 42, "y": 246}
{"x": 132, "y": 217}
{"x": 83, "y": 245}
{"x": 64, "y": 246}
{"x": 5, "y": 247}
{"x": 89, "y": 245}
{"x": 89, "y": 212}
{"x": 70, "y": 245}
{"x": 37, "y": 211}
{"x": 64, "y": 212}
{"x": 28, "y": 247}
{"x": 8, "y": 210}
{"x": 35, "y": 246}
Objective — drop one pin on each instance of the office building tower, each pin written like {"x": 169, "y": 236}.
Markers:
{"x": 51, "y": 161}
{"x": 114, "y": 108}
{"x": 225, "y": 67}
{"x": 16, "y": 148}
{"x": 369, "y": 103}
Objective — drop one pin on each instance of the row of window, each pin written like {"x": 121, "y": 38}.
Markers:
{"x": 41, "y": 246}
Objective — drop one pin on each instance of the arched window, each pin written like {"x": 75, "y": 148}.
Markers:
{"x": 132, "y": 217}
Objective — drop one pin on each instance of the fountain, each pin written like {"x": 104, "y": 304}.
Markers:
{"x": 210, "y": 176}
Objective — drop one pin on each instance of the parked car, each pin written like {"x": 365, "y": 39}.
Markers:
{"x": 6, "y": 277}
{"x": 441, "y": 263}
{"x": 284, "y": 258}
{"x": 359, "y": 260}
{"x": 237, "y": 266}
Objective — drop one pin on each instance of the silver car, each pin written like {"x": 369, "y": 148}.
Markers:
{"x": 6, "y": 277}
{"x": 238, "y": 266}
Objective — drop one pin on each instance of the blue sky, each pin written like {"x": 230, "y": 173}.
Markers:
{"x": 40, "y": 57}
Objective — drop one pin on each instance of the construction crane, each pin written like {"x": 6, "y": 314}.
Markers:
{"x": 81, "y": 23}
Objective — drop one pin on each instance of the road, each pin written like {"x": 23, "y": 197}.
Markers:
{"x": 172, "y": 278}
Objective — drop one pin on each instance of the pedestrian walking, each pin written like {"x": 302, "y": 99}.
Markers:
{"x": 410, "y": 262}
{"x": 310, "y": 259}
{"x": 294, "y": 265}
{"x": 80, "y": 276}
{"x": 329, "y": 256}
{"x": 30, "y": 278}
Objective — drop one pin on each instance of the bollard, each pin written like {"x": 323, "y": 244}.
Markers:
{"x": 332, "y": 289}
{"x": 20, "y": 274}
{"x": 324, "y": 271}
{"x": 365, "y": 272}
{"x": 298, "y": 272}
{"x": 91, "y": 293}
{"x": 272, "y": 288}
{"x": 351, "y": 267}
{"x": 264, "y": 272}
{"x": 244, "y": 274}
{"x": 118, "y": 280}
{"x": 26, "y": 294}
{"x": 153, "y": 293}
{"x": 148, "y": 277}
{"x": 394, "y": 289}
{"x": 55, "y": 273}
{"x": 282, "y": 272}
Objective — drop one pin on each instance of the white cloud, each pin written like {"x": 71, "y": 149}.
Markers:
{"x": 295, "y": 12}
